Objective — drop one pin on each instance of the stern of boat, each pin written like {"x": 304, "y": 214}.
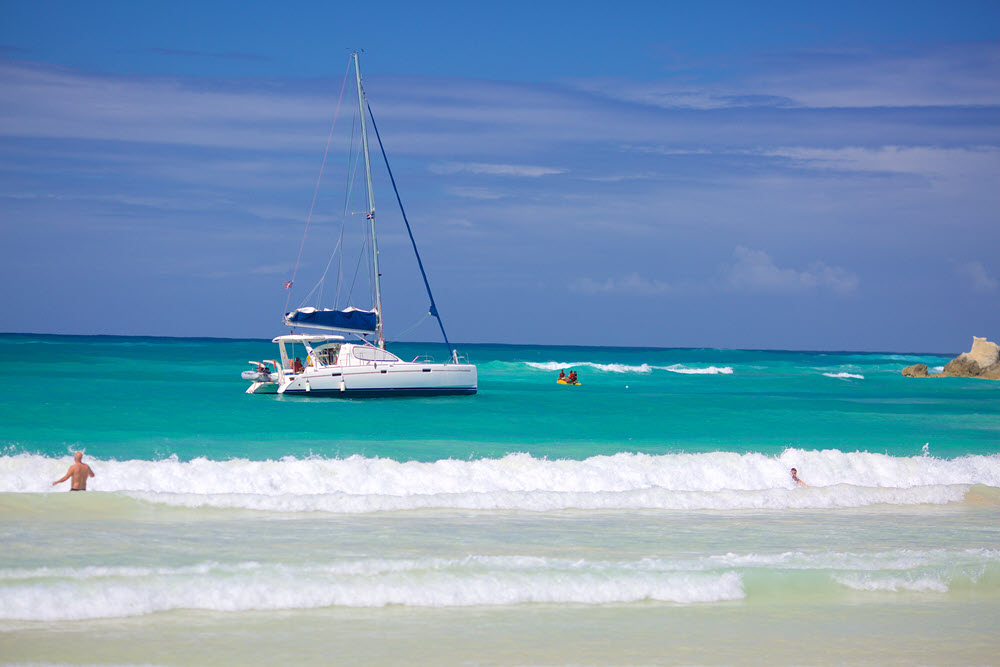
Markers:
{"x": 263, "y": 377}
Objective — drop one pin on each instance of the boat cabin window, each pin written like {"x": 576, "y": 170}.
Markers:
{"x": 328, "y": 355}
{"x": 374, "y": 354}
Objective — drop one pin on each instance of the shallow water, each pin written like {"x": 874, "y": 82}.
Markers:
{"x": 644, "y": 517}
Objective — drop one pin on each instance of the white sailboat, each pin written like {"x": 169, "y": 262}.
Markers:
{"x": 335, "y": 367}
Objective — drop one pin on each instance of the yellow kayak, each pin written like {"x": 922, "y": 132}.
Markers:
{"x": 567, "y": 382}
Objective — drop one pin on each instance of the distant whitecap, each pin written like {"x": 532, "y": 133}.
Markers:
{"x": 687, "y": 370}
{"x": 626, "y": 368}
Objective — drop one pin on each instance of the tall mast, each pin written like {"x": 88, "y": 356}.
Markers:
{"x": 379, "y": 333}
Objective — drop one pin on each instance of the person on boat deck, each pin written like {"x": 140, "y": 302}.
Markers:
{"x": 562, "y": 375}
{"x": 297, "y": 366}
{"x": 795, "y": 478}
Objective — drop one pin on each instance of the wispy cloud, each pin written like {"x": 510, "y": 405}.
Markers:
{"x": 929, "y": 160}
{"x": 131, "y": 200}
{"x": 206, "y": 54}
{"x": 618, "y": 178}
{"x": 941, "y": 75}
{"x": 471, "y": 192}
{"x": 945, "y": 75}
{"x": 507, "y": 129}
{"x": 755, "y": 271}
{"x": 654, "y": 182}
{"x": 668, "y": 95}
{"x": 751, "y": 271}
{"x": 979, "y": 279}
{"x": 529, "y": 171}
{"x": 271, "y": 269}
{"x": 50, "y": 102}
{"x": 632, "y": 283}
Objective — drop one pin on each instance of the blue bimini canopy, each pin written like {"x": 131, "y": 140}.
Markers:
{"x": 351, "y": 320}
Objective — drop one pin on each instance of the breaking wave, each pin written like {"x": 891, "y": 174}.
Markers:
{"x": 624, "y": 368}
{"x": 76, "y": 593}
{"x": 710, "y": 370}
{"x": 357, "y": 484}
{"x": 608, "y": 368}
{"x": 69, "y": 594}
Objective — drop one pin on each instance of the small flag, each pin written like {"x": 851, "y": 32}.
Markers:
{"x": 288, "y": 285}
{"x": 369, "y": 216}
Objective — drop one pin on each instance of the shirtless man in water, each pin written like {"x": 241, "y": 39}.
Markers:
{"x": 79, "y": 471}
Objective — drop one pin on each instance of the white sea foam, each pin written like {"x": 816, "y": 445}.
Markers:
{"x": 924, "y": 583}
{"x": 430, "y": 582}
{"x": 543, "y": 501}
{"x": 845, "y": 376}
{"x": 687, "y": 370}
{"x": 608, "y": 368}
{"x": 717, "y": 480}
{"x": 624, "y": 368}
{"x": 939, "y": 560}
{"x": 68, "y": 593}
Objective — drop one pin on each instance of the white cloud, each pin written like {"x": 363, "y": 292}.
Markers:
{"x": 926, "y": 160}
{"x": 475, "y": 193}
{"x": 126, "y": 199}
{"x": 272, "y": 269}
{"x": 944, "y": 75}
{"x": 751, "y": 271}
{"x": 618, "y": 178}
{"x": 941, "y": 76}
{"x": 52, "y": 102}
{"x": 494, "y": 169}
{"x": 630, "y": 284}
{"x": 667, "y": 95}
{"x": 755, "y": 271}
{"x": 979, "y": 278}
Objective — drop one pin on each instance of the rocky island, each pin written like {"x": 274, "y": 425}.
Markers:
{"x": 982, "y": 361}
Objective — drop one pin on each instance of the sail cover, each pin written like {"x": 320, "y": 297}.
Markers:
{"x": 352, "y": 319}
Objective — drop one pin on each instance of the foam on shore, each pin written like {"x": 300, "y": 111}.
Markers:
{"x": 76, "y": 593}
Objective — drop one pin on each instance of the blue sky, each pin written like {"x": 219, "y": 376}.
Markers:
{"x": 725, "y": 174}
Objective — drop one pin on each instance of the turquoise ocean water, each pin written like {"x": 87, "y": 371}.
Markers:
{"x": 644, "y": 517}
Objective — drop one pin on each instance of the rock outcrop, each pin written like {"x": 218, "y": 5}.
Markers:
{"x": 916, "y": 371}
{"x": 982, "y": 361}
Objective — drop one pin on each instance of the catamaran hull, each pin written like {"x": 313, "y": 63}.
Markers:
{"x": 385, "y": 392}
{"x": 385, "y": 380}
{"x": 263, "y": 388}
